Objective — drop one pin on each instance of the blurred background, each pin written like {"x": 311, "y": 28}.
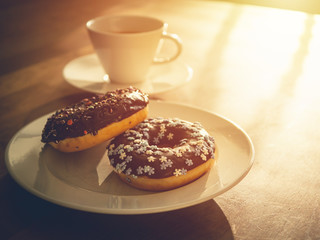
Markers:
{"x": 310, "y": 6}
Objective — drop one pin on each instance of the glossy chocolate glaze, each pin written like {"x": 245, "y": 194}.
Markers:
{"x": 92, "y": 114}
{"x": 160, "y": 148}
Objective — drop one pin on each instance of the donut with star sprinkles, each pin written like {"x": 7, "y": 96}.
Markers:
{"x": 161, "y": 154}
{"x": 95, "y": 120}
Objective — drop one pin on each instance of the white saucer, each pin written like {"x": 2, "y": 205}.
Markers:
{"x": 87, "y": 74}
{"x": 81, "y": 180}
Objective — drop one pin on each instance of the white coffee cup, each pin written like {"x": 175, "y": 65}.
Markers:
{"x": 126, "y": 45}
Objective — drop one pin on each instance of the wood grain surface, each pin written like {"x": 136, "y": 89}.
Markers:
{"x": 257, "y": 66}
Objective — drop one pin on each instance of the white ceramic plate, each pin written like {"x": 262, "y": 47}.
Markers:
{"x": 87, "y": 74}
{"x": 82, "y": 180}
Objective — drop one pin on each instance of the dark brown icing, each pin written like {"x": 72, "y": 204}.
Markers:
{"x": 160, "y": 148}
{"x": 91, "y": 114}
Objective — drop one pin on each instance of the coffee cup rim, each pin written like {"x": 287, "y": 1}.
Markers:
{"x": 89, "y": 24}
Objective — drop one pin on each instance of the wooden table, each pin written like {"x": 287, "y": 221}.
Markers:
{"x": 254, "y": 65}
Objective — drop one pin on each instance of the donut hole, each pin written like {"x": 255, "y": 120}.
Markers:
{"x": 171, "y": 138}
{"x": 167, "y": 145}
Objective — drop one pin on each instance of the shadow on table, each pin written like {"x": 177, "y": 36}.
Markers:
{"x": 39, "y": 219}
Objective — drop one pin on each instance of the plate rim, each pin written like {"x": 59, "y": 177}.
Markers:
{"x": 133, "y": 211}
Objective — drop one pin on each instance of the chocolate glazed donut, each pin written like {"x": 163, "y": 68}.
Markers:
{"x": 96, "y": 119}
{"x": 161, "y": 154}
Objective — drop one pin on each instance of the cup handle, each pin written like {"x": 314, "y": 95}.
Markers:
{"x": 175, "y": 38}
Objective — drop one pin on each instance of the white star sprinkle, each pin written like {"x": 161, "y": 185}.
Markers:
{"x": 122, "y": 155}
{"x": 163, "y": 159}
{"x": 177, "y": 172}
{"x": 170, "y": 136}
{"x": 149, "y": 152}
